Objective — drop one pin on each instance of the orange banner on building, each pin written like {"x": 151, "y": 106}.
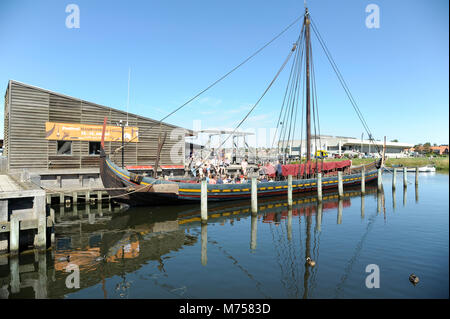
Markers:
{"x": 86, "y": 132}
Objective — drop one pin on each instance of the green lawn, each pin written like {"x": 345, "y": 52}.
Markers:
{"x": 441, "y": 163}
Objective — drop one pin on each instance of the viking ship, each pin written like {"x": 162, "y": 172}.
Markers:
{"x": 138, "y": 190}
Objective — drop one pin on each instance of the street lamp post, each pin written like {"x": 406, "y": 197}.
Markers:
{"x": 362, "y": 135}
{"x": 122, "y": 125}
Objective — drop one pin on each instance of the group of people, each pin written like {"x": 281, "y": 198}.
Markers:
{"x": 215, "y": 170}
{"x": 204, "y": 168}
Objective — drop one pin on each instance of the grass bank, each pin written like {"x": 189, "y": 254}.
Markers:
{"x": 441, "y": 163}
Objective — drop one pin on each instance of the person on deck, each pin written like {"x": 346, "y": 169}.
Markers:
{"x": 279, "y": 171}
{"x": 244, "y": 165}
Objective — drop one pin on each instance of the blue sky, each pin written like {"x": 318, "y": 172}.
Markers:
{"x": 397, "y": 73}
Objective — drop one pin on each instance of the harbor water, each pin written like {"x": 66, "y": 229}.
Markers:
{"x": 166, "y": 252}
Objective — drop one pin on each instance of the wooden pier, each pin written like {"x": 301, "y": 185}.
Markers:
{"x": 75, "y": 196}
{"x": 22, "y": 211}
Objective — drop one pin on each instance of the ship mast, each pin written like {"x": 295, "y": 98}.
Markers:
{"x": 308, "y": 88}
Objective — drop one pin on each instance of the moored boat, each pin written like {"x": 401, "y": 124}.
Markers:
{"x": 136, "y": 189}
{"x": 422, "y": 169}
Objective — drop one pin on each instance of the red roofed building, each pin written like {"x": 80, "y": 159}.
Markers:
{"x": 441, "y": 149}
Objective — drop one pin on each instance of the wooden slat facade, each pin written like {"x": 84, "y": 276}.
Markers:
{"x": 27, "y": 108}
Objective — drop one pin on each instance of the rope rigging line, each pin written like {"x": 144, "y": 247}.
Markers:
{"x": 288, "y": 92}
{"x": 343, "y": 83}
{"x": 341, "y": 78}
{"x": 294, "y": 106}
{"x": 316, "y": 111}
{"x": 293, "y": 93}
{"x": 303, "y": 119}
{"x": 218, "y": 80}
{"x": 282, "y": 107}
{"x": 315, "y": 101}
{"x": 259, "y": 100}
{"x": 291, "y": 102}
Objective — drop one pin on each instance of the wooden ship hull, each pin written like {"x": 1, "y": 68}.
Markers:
{"x": 137, "y": 190}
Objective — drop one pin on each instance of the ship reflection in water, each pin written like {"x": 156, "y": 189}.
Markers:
{"x": 166, "y": 252}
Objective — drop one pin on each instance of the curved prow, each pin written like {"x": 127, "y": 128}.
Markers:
{"x": 102, "y": 144}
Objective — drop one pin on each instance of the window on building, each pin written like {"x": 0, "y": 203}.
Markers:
{"x": 64, "y": 148}
{"x": 94, "y": 148}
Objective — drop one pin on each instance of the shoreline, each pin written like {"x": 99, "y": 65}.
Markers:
{"x": 441, "y": 163}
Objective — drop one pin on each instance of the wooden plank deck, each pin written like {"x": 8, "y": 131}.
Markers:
{"x": 7, "y": 184}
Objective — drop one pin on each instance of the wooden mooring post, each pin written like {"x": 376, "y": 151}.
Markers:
{"x": 417, "y": 175}
{"x": 363, "y": 181}
{"x": 379, "y": 179}
{"x": 14, "y": 232}
{"x": 52, "y": 217}
{"x": 289, "y": 190}
{"x": 319, "y": 187}
{"x": 204, "y": 201}
{"x": 39, "y": 209}
{"x": 340, "y": 185}
{"x": 254, "y": 195}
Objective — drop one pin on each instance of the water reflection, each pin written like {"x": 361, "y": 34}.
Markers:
{"x": 417, "y": 193}
{"x": 405, "y": 192}
{"x": 254, "y": 229}
{"x": 394, "y": 201}
{"x": 363, "y": 198}
{"x": 106, "y": 241}
{"x": 204, "y": 234}
{"x": 319, "y": 216}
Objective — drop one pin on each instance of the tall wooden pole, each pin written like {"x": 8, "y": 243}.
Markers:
{"x": 123, "y": 128}
{"x": 308, "y": 88}
{"x": 204, "y": 201}
{"x": 254, "y": 195}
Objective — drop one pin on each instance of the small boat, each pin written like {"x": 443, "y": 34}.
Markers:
{"x": 137, "y": 190}
{"x": 422, "y": 169}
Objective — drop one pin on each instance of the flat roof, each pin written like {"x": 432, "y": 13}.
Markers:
{"x": 189, "y": 132}
{"x": 379, "y": 143}
{"x": 220, "y": 132}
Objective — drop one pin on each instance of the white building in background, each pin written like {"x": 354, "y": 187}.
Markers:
{"x": 342, "y": 145}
